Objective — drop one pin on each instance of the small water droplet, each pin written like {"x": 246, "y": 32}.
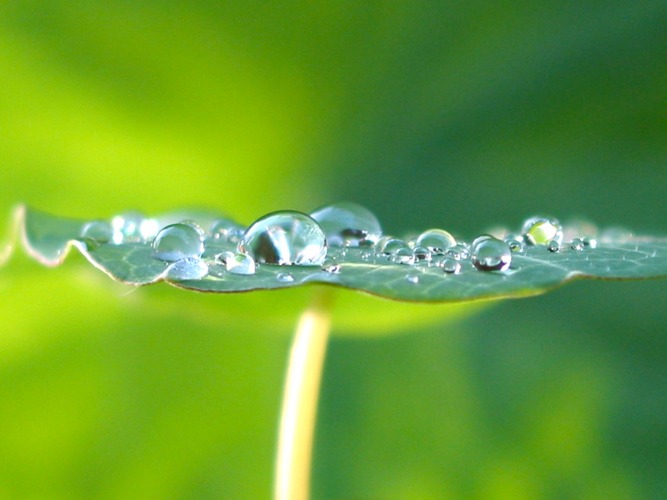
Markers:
{"x": 553, "y": 246}
{"x": 589, "y": 243}
{"x": 460, "y": 251}
{"x": 403, "y": 255}
{"x": 100, "y": 231}
{"x": 412, "y": 278}
{"x": 226, "y": 230}
{"x": 577, "y": 244}
{"x": 348, "y": 224}
{"x": 178, "y": 241}
{"x": 393, "y": 245}
{"x": 490, "y": 254}
{"x": 331, "y": 266}
{"x": 438, "y": 241}
{"x": 542, "y": 230}
{"x": 285, "y": 238}
{"x": 285, "y": 277}
{"x": 451, "y": 266}
{"x": 516, "y": 245}
{"x": 190, "y": 268}
{"x": 421, "y": 254}
{"x": 240, "y": 263}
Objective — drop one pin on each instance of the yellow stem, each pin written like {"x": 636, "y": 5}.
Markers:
{"x": 300, "y": 396}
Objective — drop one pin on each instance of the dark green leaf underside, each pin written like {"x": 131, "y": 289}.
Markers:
{"x": 49, "y": 238}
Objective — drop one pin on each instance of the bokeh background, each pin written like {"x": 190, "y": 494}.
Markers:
{"x": 450, "y": 114}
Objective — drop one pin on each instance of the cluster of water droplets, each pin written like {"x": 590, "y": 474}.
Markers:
{"x": 328, "y": 239}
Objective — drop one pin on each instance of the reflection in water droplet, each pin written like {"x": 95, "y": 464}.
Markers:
{"x": 577, "y": 244}
{"x": 438, "y": 241}
{"x": 553, "y": 246}
{"x": 542, "y": 230}
{"x": 491, "y": 254}
{"x": 187, "y": 269}
{"x": 451, "y": 266}
{"x": 178, "y": 241}
{"x": 100, "y": 231}
{"x": 348, "y": 224}
{"x": 285, "y": 238}
{"x": 285, "y": 277}
{"x": 240, "y": 263}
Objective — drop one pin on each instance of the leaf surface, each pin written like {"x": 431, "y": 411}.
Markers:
{"x": 533, "y": 270}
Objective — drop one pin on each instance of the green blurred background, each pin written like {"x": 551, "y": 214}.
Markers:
{"x": 450, "y": 114}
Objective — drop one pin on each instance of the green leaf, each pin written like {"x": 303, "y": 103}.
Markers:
{"x": 533, "y": 270}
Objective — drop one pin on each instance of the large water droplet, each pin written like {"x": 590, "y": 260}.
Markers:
{"x": 178, "y": 241}
{"x": 542, "y": 230}
{"x": 490, "y": 254}
{"x": 285, "y": 238}
{"x": 348, "y": 224}
{"x": 438, "y": 241}
{"x": 190, "y": 268}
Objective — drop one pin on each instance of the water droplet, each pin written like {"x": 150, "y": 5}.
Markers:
{"x": 438, "y": 241}
{"x": 553, "y": 246}
{"x": 460, "y": 251}
{"x": 515, "y": 243}
{"x": 285, "y": 238}
{"x": 100, "y": 231}
{"x": 542, "y": 230}
{"x": 190, "y": 268}
{"x": 403, "y": 255}
{"x": 331, "y": 266}
{"x": 348, "y": 224}
{"x": 590, "y": 243}
{"x": 393, "y": 245}
{"x": 285, "y": 277}
{"x": 490, "y": 254}
{"x": 240, "y": 263}
{"x": 451, "y": 266}
{"x": 412, "y": 278}
{"x": 178, "y": 241}
{"x": 421, "y": 254}
{"x": 577, "y": 244}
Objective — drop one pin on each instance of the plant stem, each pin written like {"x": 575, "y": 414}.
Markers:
{"x": 300, "y": 395}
